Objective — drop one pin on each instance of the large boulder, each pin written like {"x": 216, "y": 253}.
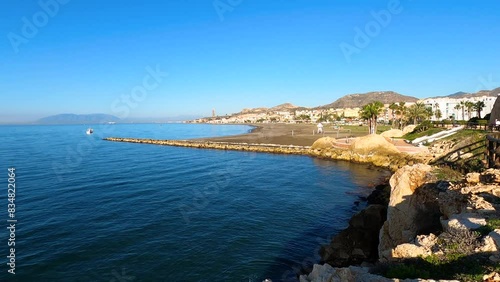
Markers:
{"x": 413, "y": 208}
{"x": 323, "y": 143}
{"x": 409, "y": 128}
{"x": 327, "y": 273}
{"x": 392, "y": 133}
{"x": 408, "y": 250}
{"x": 358, "y": 242}
{"x": 373, "y": 144}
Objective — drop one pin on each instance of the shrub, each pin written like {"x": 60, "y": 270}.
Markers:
{"x": 422, "y": 126}
{"x": 404, "y": 271}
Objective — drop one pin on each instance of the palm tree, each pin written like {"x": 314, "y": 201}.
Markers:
{"x": 371, "y": 112}
{"x": 417, "y": 112}
{"x": 438, "y": 114}
{"x": 436, "y": 109}
{"x": 469, "y": 106}
{"x": 462, "y": 106}
{"x": 393, "y": 107}
{"x": 479, "y": 106}
{"x": 457, "y": 107}
{"x": 401, "y": 112}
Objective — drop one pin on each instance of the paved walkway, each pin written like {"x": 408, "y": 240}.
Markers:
{"x": 400, "y": 144}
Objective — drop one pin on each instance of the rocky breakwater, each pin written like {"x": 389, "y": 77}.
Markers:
{"x": 435, "y": 228}
{"x": 263, "y": 148}
{"x": 370, "y": 149}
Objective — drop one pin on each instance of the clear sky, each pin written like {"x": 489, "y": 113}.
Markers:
{"x": 88, "y": 56}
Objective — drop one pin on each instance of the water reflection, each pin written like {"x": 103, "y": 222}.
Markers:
{"x": 360, "y": 174}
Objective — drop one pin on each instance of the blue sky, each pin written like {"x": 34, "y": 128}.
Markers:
{"x": 84, "y": 56}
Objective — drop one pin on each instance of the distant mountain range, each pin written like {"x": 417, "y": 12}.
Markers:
{"x": 458, "y": 95}
{"x": 360, "y": 99}
{"x": 347, "y": 101}
{"x": 78, "y": 119}
{"x": 104, "y": 118}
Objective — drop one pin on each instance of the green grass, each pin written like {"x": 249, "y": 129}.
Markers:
{"x": 491, "y": 224}
{"x": 430, "y": 131}
{"x": 474, "y": 135}
{"x": 457, "y": 260}
{"x": 447, "y": 174}
{"x": 363, "y": 130}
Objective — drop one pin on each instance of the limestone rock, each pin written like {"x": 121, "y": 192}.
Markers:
{"x": 490, "y": 176}
{"x": 495, "y": 235}
{"x": 327, "y": 273}
{"x": 463, "y": 221}
{"x": 451, "y": 202}
{"x": 426, "y": 241}
{"x": 491, "y": 277}
{"x": 408, "y": 250}
{"x": 392, "y": 133}
{"x": 413, "y": 208}
{"x": 373, "y": 144}
{"x": 409, "y": 128}
{"x": 488, "y": 245}
{"x": 472, "y": 177}
{"x": 323, "y": 143}
{"x": 480, "y": 204}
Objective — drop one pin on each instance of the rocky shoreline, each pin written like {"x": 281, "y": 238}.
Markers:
{"x": 406, "y": 219}
{"x": 374, "y": 156}
{"x": 433, "y": 228}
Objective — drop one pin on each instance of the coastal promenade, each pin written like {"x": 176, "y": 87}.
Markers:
{"x": 270, "y": 138}
{"x": 277, "y": 139}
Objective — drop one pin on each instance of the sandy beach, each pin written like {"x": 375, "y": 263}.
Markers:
{"x": 284, "y": 134}
{"x": 304, "y": 135}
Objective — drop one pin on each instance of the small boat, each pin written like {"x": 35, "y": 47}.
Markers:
{"x": 89, "y": 131}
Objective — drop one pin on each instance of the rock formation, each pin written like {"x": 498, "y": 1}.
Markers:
{"x": 373, "y": 144}
{"x": 409, "y": 129}
{"x": 326, "y": 273}
{"x": 413, "y": 208}
{"x": 392, "y": 133}
{"x": 323, "y": 143}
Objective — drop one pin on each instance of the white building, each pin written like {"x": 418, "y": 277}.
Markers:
{"x": 447, "y": 106}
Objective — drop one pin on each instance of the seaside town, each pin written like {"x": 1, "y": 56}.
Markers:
{"x": 439, "y": 108}
{"x": 259, "y": 141}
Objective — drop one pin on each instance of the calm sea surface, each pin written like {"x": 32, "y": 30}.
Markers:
{"x": 92, "y": 210}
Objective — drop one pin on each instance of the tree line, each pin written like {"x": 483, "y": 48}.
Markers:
{"x": 403, "y": 115}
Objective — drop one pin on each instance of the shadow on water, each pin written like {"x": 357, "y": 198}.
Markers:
{"x": 458, "y": 257}
{"x": 290, "y": 264}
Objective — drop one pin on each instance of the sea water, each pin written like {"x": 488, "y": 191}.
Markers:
{"x": 94, "y": 210}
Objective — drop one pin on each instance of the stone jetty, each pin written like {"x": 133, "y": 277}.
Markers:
{"x": 378, "y": 156}
{"x": 251, "y": 147}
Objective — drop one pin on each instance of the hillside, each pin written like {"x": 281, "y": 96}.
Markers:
{"x": 278, "y": 108}
{"x": 78, "y": 119}
{"x": 458, "y": 95}
{"x": 357, "y": 100}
